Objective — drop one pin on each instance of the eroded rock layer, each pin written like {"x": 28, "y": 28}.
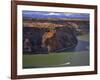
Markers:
{"x": 44, "y": 40}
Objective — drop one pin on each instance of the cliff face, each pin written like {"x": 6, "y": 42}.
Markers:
{"x": 42, "y": 40}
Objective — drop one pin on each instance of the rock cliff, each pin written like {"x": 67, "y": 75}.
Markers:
{"x": 44, "y": 40}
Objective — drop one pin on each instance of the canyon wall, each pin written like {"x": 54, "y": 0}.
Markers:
{"x": 43, "y": 40}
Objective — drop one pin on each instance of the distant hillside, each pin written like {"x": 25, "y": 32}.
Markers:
{"x": 41, "y": 14}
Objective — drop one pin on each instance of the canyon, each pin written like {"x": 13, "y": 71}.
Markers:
{"x": 47, "y": 36}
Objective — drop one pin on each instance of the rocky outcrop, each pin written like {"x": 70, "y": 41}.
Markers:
{"x": 43, "y": 40}
{"x": 59, "y": 40}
